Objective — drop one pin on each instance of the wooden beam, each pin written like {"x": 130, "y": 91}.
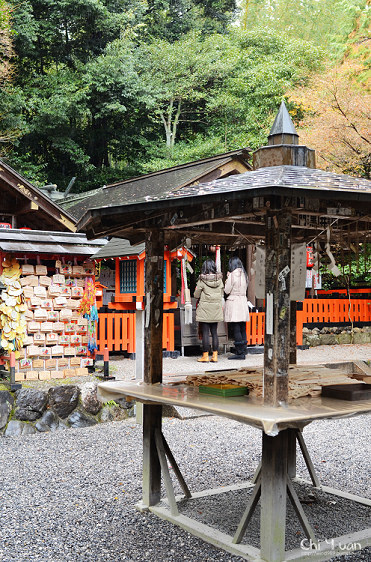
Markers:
{"x": 293, "y": 354}
{"x": 277, "y": 316}
{"x": 27, "y": 208}
{"x": 154, "y": 283}
{"x": 152, "y": 415}
{"x": 273, "y": 497}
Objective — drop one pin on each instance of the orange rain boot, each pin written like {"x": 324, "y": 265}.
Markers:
{"x": 214, "y": 358}
{"x": 204, "y": 358}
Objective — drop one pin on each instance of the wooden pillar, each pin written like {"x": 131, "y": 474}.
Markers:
{"x": 273, "y": 497}
{"x": 293, "y": 357}
{"x": 154, "y": 283}
{"x": 277, "y": 306}
{"x": 139, "y": 357}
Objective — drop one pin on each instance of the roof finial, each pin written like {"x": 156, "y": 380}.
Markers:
{"x": 283, "y": 130}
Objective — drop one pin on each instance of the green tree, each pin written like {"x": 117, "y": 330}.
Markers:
{"x": 326, "y": 23}
{"x": 266, "y": 64}
{"x": 77, "y": 100}
{"x": 178, "y": 77}
{"x": 6, "y": 53}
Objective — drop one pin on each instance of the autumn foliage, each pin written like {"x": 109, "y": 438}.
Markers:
{"x": 333, "y": 112}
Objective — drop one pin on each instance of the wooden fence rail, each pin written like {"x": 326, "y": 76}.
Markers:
{"x": 117, "y": 330}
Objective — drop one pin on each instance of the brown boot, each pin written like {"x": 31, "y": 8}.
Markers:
{"x": 214, "y": 358}
{"x": 204, "y": 358}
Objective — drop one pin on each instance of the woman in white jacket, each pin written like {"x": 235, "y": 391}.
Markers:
{"x": 236, "y": 310}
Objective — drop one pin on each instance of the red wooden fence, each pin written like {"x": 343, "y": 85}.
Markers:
{"x": 117, "y": 330}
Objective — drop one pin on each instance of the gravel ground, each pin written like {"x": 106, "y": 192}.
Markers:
{"x": 70, "y": 496}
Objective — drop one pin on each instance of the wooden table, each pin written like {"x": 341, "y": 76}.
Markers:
{"x": 281, "y": 429}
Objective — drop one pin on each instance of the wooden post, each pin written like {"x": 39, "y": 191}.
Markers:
{"x": 152, "y": 415}
{"x": 277, "y": 315}
{"x": 273, "y": 497}
{"x": 293, "y": 358}
{"x": 291, "y": 452}
{"x": 139, "y": 357}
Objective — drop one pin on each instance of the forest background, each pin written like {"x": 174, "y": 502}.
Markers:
{"x": 109, "y": 89}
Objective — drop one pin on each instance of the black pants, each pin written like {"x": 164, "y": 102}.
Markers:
{"x": 213, "y": 328}
{"x": 239, "y": 332}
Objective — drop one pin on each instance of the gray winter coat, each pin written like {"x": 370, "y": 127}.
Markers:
{"x": 236, "y": 309}
{"x": 209, "y": 290}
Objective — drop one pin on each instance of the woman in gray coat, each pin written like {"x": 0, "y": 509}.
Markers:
{"x": 209, "y": 291}
{"x": 236, "y": 310}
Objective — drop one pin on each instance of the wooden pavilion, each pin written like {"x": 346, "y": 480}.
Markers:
{"x": 265, "y": 205}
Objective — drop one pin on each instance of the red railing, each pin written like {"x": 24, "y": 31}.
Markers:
{"x": 117, "y": 330}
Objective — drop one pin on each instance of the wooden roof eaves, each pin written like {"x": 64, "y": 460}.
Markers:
{"x": 213, "y": 168}
{"x": 248, "y": 193}
{"x": 218, "y": 157}
{"x": 26, "y": 189}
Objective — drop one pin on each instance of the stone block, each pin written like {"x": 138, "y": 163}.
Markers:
{"x": 31, "y": 403}
{"x": 64, "y": 399}
{"x": 80, "y": 419}
{"x": 89, "y": 398}
{"x": 362, "y": 337}
{"x": 6, "y": 405}
{"x": 328, "y": 339}
{"x": 16, "y": 428}
{"x": 313, "y": 340}
{"x": 344, "y": 338}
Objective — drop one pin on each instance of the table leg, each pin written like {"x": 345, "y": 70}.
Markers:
{"x": 291, "y": 452}
{"x": 300, "y": 511}
{"x": 176, "y": 468}
{"x": 249, "y": 512}
{"x": 152, "y": 418}
{"x": 307, "y": 459}
{"x": 257, "y": 473}
{"x": 165, "y": 472}
{"x": 273, "y": 497}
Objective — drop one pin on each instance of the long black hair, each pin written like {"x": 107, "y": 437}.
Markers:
{"x": 208, "y": 267}
{"x": 236, "y": 263}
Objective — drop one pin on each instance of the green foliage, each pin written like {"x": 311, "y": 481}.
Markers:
{"x": 355, "y": 270}
{"x": 265, "y": 66}
{"x": 111, "y": 403}
{"x": 325, "y": 23}
{"x": 108, "y": 89}
{"x": 196, "y": 147}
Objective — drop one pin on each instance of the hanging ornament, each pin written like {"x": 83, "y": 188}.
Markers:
{"x": 89, "y": 310}
{"x": 332, "y": 265}
{"x": 218, "y": 259}
{"x": 187, "y": 294}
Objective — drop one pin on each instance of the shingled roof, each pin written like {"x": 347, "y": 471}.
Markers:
{"x": 158, "y": 184}
{"x": 118, "y": 247}
{"x": 30, "y": 206}
{"x": 48, "y": 242}
{"x": 196, "y": 210}
{"x": 297, "y": 177}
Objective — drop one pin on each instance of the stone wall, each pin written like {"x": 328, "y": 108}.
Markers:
{"x": 31, "y": 410}
{"x": 336, "y": 335}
